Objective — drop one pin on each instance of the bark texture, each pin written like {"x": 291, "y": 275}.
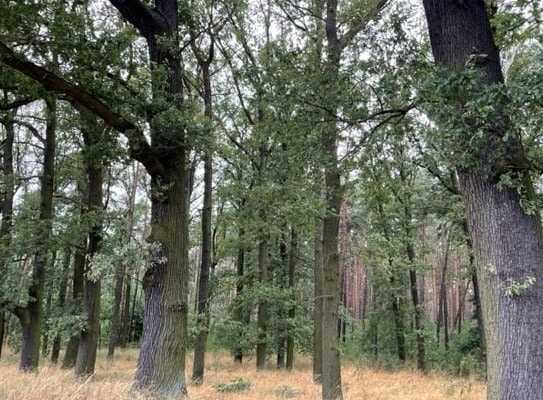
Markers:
{"x": 88, "y": 340}
{"x": 30, "y": 315}
{"x": 507, "y": 241}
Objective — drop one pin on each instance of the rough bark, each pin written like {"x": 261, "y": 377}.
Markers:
{"x": 507, "y": 241}
{"x": 88, "y": 340}
{"x": 7, "y": 203}
{"x": 30, "y": 315}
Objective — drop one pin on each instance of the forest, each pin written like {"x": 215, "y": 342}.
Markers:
{"x": 271, "y": 199}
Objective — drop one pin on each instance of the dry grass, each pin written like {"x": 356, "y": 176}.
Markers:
{"x": 112, "y": 382}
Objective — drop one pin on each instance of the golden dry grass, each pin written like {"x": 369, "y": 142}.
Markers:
{"x": 112, "y": 382}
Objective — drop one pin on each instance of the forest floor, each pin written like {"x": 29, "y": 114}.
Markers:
{"x": 113, "y": 379}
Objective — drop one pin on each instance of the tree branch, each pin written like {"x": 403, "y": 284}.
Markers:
{"x": 361, "y": 22}
{"x": 146, "y": 20}
{"x": 139, "y": 148}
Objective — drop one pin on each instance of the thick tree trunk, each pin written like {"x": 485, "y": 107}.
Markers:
{"x": 31, "y": 315}
{"x": 317, "y": 306}
{"x": 161, "y": 365}
{"x": 507, "y": 241}
{"x": 88, "y": 340}
{"x": 205, "y": 266}
{"x": 61, "y": 300}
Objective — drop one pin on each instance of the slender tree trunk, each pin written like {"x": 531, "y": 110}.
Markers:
{"x": 262, "y": 314}
{"x": 47, "y": 313}
{"x": 88, "y": 341}
{"x": 2, "y": 331}
{"x": 410, "y": 250}
{"x": 115, "y": 326}
{"x": 282, "y": 312}
{"x": 292, "y": 262}
{"x": 240, "y": 309}
{"x": 122, "y": 322}
{"x": 331, "y": 364}
{"x": 61, "y": 301}
{"x": 443, "y": 306}
{"x": 478, "y": 314}
{"x": 78, "y": 279}
{"x": 317, "y": 307}
{"x": 205, "y": 266}
{"x": 31, "y": 315}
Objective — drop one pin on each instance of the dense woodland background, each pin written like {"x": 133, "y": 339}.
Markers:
{"x": 273, "y": 178}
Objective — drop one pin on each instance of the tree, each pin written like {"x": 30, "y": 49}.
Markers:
{"x": 507, "y": 237}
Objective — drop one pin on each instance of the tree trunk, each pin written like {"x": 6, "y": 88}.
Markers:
{"x": 507, "y": 241}
{"x": 2, "y": 331}
{"x": 262, "y": 314}
{"x": 161, "y": 365}
{"x": 478, "y": 314}
{"x": 205, "y": 266}
{"x": 7, "y": 204}
{"x": 78, "y": 279}
{"x": 410, "y": 250}
{"x": 61, "y": 301}
{"x": 240, "y": 310}
{"x": 31, "y": 315}
{"x": 443, "y": 320}
{"x": 331, "y": 364}
{"x": 292, "y": 261}
{"x": 282, "y": 312}
{"x": 317, "y": 306}
{"x": 88, "y": 340}
{"x": 115, "y": 326}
